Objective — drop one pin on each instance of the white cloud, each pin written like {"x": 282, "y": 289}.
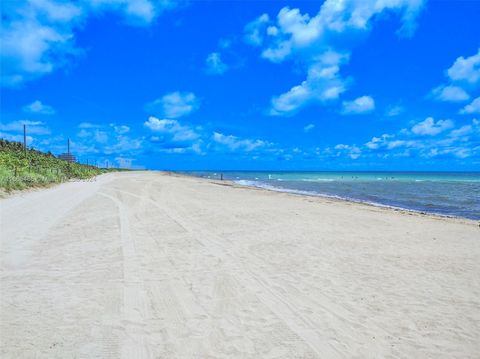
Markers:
{"x": 272, "y": 31}
{"x": 300, "y": 31}
{"x": 176, "y": 131}
{"x": 450, "y": 93}
{"x": 459, "y": 143}
{"x": 307, "y": 40}
{"x": 459, "y": 152}
{"x": 38, "y": 107}
{"x": 389, "y": 142}
{"x": 38, "y": 36}
{"x": 462, "y": 131}
{"x": 123, "y": 145}
{"x": 473, "y": 107}
{"x": 363, "y": 104}
{"x": 400, "y": 144}
{"x": 16, "y": 138}
{"x": 352, "y": 151}
{"x": 254, "y": 31}
{"x": 393, "y": 111}
{"x": 429, "y": 127}
{"x": 323, "y": 85}
{"x": 463, "y": 75}
{"x": 120, "y": 129}
{"x": 33, "y": 127}
{"x": 101, "y": 136}
{"x": 234, "y": 143}
{"x": 377, "y": 142}
{"x": 97, "y": 136}
{"x": 309, "y": 127}
{"x": 88, "y": 125}
{"x": 174, "y": 105}
{"x": 135, "y": 12}
{"x": 83, "y": 133}
{"x": 103, "y": 140}
{"x": 171, "y": 136}
{"x": 466, "y": 69}
{"x": 215, "y": 65}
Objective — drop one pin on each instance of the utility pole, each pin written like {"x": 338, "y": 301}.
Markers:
{"x": 25, "y": 139}
{"x": 68, "y": 150}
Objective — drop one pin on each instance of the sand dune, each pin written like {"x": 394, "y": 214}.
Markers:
{"x": 150, "y": 265}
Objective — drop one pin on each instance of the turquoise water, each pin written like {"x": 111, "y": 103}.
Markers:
{"x": 445, "y": 193}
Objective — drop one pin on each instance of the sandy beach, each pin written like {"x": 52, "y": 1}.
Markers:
{"x": 154, "y": 265}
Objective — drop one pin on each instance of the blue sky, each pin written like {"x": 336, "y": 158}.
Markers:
{"x": 299, "y": 85}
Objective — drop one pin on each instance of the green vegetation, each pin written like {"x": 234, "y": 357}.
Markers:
{"x": 20, "y": 169}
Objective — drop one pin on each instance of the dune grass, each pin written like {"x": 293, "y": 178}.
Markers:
{"x": 21, "y": 170}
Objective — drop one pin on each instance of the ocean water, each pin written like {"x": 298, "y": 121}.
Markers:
{"x": 444, "y": 193}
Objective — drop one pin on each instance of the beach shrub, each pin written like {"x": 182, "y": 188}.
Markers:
{"x": 20, "y": 169}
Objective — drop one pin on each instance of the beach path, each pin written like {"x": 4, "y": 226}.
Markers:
{"x": 155, "y": 265}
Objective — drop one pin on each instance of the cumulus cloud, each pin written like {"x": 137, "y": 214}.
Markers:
{"x": 473, "y": 107}
{"x": 96, "y": 135}
{"x": 39, "y": 108}
{"x": 428, "y": 139}
{"x": 173, "y": 136}
{"x": 300, "y": 32}
{"x": 174, "y": 105}
{"x": 234, "y": 143}
{"x": 450, "y": 93}
{"x": 430, "y": 127}
{"x": 463, "y": 76}
{"x": 123, "y": 145}
{"x": 38, "y": 36}
{"x": 105, "y": 140}
{"x": 377, "y": 142}
{"x": 323, "y": 84}
{"x": 214, "y": 64}
{"x": 177, "y": 132}
{"x": 466, "y": 69}
{"x": 254, "y": 31}
{"x": 307, "y": 40}
{"x": 352, "y": 151}
{"x": 363, "y": 104}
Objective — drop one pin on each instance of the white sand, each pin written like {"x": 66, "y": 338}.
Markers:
{"x": 147, "y": 265}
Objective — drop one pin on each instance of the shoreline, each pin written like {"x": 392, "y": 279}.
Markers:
{"x": 6, "y": 195}
{"x": 339, "y": 199}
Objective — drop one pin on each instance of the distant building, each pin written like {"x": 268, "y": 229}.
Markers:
{"x": 67, "y": 157}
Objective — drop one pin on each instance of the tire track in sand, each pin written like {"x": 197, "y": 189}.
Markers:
{"x": 283, "y": 310}
{"x": 133, "y": 309}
